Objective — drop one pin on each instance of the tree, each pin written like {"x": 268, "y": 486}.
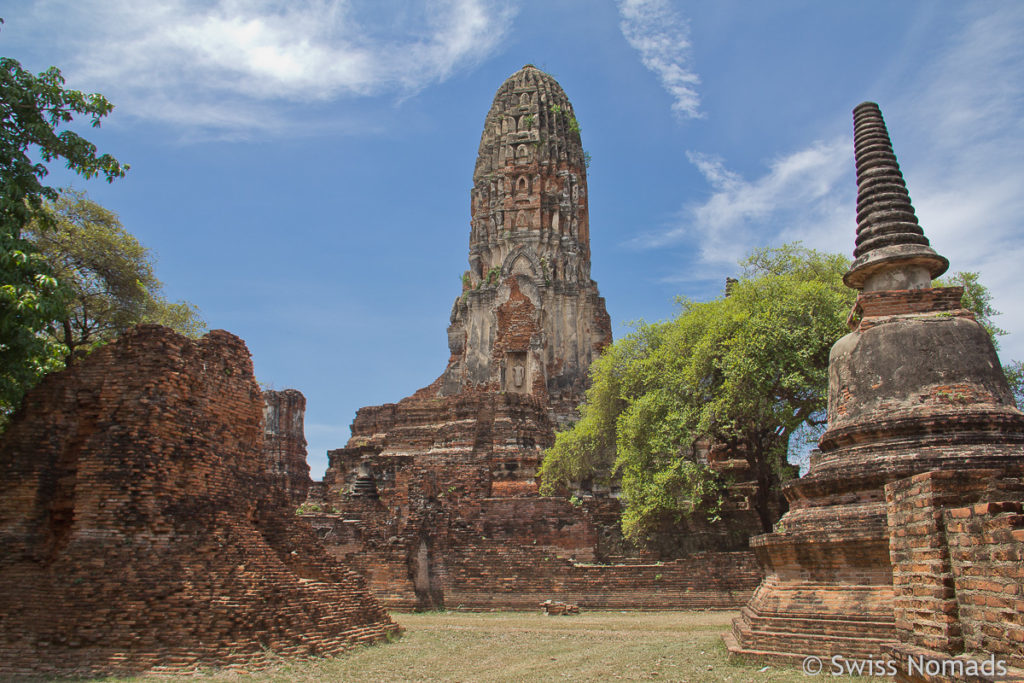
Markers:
{"x": 746, "y": 371}
{"x": 1015, "y": 376}
{"x": 32, "y": 108}
{"x": 108, "y": 275}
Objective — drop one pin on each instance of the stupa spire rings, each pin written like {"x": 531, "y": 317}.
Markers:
{"x": 891, "y": 249}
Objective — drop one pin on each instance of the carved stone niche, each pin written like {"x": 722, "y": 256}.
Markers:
{"x": 517, "y": 372}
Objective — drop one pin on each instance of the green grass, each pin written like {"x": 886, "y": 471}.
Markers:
{"x": 518, "y": 646}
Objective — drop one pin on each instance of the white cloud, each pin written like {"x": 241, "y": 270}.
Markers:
{"x": 662, "y": 38}
{"x": 233, "y": 64}
{"x": 958, "y": 136}
{"x": 800, "y": 196}
{"x": 965, "y": 167}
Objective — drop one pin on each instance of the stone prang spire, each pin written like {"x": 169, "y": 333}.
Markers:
{"x": 891, "y": 250}
{"x": 530, "y": 319}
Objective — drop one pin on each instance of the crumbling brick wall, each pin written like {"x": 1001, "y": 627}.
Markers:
{"x": 956, "y": 542}
{"x": 140, "y": 531}
{"x": 284, "y": 443}
{"x": 492, "y": 574}
{"x": 986, "y": 546}
{"x": 512, "y": 553}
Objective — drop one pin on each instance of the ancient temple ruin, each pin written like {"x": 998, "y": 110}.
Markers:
{"x": 434, "y": 498}
{"x": 142, "y": 531}
{"x": 924, "y": 448}
{"x": 284, "y": 442}
{"x": 530, "y": 319}
{"x": 525, "y": 328}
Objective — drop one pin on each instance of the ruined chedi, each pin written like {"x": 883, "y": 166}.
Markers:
{"x": 142, "y": 529}
{"x": 915, "y": 387}
{"x": 284, "y": 442}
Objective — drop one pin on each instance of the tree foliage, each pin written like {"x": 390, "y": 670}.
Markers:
{"x": 108, "y": 274}
{"x": 1015, "y": 376}
{"x": 32, "y": 108}
{"x": 746, "y": 371}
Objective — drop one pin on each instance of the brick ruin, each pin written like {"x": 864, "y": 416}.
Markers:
{"x": 140, "y": 528}
{"x": 434, "y": 499}
{"x": 957, "y": 550}
{"x": 905, "y": 535}
{"x": 284, "y": 443}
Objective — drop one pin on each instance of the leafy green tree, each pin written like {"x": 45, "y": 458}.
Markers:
{"x": 746, "y": 371}
{"x": 1015, "y": 376}
{"x": 32, "y": 108}
{"x": 107, "y": 272}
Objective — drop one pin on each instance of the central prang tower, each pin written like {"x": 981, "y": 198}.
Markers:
{"x": 530, "y": 319}
{"x": 424, "y": 481}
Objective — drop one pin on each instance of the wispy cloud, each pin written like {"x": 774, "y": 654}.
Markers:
{"x": 235, "y": 64}
{"x": 797, "y": 195}
{"x": 965, "y": 169}
{"x": 662, "y": 38}
{"x": 958, "y": 136}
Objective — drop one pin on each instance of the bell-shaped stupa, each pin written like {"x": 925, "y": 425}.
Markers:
{"x": 916, "y": 387}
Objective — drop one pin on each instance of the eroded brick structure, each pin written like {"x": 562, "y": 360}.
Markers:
{"x": 530, "y": 319}
{"x": 957, "y": 549}
{"x": 915, "y": 388}
{"x": 434, "y": 499}
{"x": 140, "y": 530}
{"x": 284, "y": 442}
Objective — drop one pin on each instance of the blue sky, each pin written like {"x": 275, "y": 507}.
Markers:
{"x": 302, "y": 169}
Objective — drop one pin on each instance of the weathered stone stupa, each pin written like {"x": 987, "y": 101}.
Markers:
{"x": 915, "y": 387}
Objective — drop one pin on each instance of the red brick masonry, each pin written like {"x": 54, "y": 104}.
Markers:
{"x": 139, "y": 529}
{"x": 958, "y": 569}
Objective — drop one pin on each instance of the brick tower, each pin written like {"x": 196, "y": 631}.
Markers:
{"x": 419, "y": 478}
{"x": 530, "y": 319}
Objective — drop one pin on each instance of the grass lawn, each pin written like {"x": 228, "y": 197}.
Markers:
{"x": 528, "y": 646}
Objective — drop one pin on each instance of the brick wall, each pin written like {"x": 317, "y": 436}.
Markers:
{"x": 986, "y": 547}
{"x": 925, "y": 600}
{"x": 958, "y": 568}
{"x": 284, "y": 443}
{"x": 513, "y": 553}
{"x": 492, "y": 574}
{"x": 139, "y": 528}
{"x": 875, "y": 307}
